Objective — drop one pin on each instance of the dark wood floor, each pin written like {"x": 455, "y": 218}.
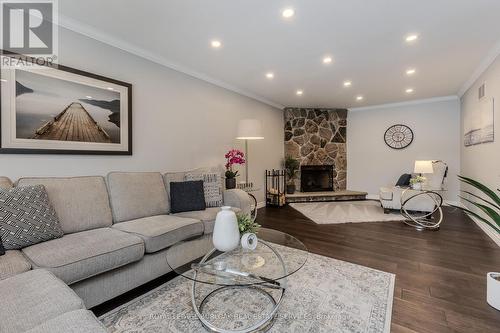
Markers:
{"x": 440, "y": 275}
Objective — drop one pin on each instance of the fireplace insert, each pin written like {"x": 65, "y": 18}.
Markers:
{"x": 316, "y": 178}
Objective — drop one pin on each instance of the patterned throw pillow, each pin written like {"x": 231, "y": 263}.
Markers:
{"x": 27, "y": 217}
{"x": 212, "y": 184}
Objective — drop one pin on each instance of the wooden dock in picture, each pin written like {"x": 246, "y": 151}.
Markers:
{"x": 73, "y": 124}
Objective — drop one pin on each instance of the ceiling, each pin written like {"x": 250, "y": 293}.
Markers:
{"x": 365, "y": 38}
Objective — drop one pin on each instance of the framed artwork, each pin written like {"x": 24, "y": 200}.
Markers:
{"x": 54, "y": 109}
{"x": 479, "y": 125}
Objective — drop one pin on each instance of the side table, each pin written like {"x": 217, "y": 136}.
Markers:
{"x": 422, "y": 220}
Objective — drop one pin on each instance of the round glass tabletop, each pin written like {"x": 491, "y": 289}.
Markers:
{"x": 277, "y": 256}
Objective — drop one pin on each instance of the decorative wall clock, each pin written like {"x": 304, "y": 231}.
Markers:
{"x": 398, "y": 136}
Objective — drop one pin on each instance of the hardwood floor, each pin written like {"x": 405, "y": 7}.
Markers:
{"x": 440, "y": 275}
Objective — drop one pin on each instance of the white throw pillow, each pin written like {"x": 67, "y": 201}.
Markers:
{"x": 212, "y": 185}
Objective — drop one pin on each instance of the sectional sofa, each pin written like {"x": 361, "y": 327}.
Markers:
{"x": 117, "y": 231}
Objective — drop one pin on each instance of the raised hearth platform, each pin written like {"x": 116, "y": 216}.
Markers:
{"x": 325, "y": 196}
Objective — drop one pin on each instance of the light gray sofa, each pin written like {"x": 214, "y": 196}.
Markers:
{"x": 116, "y": 235}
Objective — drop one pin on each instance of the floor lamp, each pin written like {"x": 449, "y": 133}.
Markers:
{"x": 249, "y": 129}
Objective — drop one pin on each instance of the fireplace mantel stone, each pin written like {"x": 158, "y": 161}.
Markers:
{"x": 318, "y": 137}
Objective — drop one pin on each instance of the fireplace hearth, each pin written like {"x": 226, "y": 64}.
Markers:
{"x": 316, "y": 178}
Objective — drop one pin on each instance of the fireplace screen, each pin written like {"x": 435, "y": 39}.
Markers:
{"x": 316, "y": 178}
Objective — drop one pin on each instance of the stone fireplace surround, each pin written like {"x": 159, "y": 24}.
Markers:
{"x": 318, "y": 137}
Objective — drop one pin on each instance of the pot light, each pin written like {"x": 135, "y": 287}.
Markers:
{"x": 288, "y": 12}
{"x": 409, "y": 90}
{"x": 3, "y": 80}
{"x": 300, "y": 92}
{"x": 109, "y": 88}
{"x": 327, "y": 60}
{"x": 359, "y": 98}
{"x": 347, "y": 83}
{"x": 411, "y": 38}
{"x": 88, "y": 97}
{"x": 270, "y": 75}
{"x": 410, "y": 71}
{"x": 216, "y": 44}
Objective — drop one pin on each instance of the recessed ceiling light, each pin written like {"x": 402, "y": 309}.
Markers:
{"x": 347, "y": 83}
{"x": 411, "y": 38}
{"x": 288, "y": 12}
{"x": 270, "y": 75}
{"x": 300, "y": 92}
{"x": 409, "y": 90}
{"x": 327, "y": 60}
{"x": 410, "y": 71}
{"x": 216, "y": 44}
{"x": 359, "y": 98}
{"x": 3, "y": 80}
{"x": 88, "y": 97}
{"x": 109, "y": 88}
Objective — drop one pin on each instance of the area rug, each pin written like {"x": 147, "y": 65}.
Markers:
{"x": 325, "y": 295}
{"x": 345, "y": 212}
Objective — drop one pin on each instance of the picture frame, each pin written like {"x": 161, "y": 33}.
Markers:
{"x": 55, "y": 109}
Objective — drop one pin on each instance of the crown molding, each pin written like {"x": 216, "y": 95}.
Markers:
{"x": 483, "y": 66}
{"x": 102, "y": 37}
{"x": 407, "y": 103}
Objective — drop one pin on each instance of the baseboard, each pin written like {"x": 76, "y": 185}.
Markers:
{"x": 493, "y": 234}
{"x": 261, "y": 204}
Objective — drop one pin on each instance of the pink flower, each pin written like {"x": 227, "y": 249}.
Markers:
{"x": 234, "y": 156}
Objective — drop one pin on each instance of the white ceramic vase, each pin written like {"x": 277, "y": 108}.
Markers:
{"x": 493, "y": 290}
{"x": 226, "y": 236}
{"x": 417, "y": 186}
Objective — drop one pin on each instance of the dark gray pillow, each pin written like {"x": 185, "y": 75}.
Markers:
{"x": 404, "y": 180}
{"x": 27, "y": 217}
{"x": 2, "y": 250}
{"x": 187, "y": 196}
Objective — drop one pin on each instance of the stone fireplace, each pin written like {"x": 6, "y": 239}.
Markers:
{"x": 317, "y": 137}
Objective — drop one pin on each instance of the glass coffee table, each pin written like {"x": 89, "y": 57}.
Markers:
{"x": 240, "y": 290}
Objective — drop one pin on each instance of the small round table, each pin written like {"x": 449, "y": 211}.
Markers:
{"x": 422, "y": 220}
{"x": 249, "y": 285}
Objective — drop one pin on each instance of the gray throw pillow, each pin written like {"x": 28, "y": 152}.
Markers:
{"x": 27, "y": 217}
{"x": 212, "y": 185}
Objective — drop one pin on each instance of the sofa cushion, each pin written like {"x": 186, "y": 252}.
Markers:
{"x": 5, "y": 182}
{"x": 81, "y": 203}
{"x": 137, "y": 194}
{"x": 170, "y": 177}
{"x": 27, "y": 217}
{"x": 79, "y": 321}
{"x": 162, "y": 231}
{"x": 206, "y": 216}
{"x": 78, "y": 256}
{"x": 12, "y": 263}
{"x": 30, "y": 299}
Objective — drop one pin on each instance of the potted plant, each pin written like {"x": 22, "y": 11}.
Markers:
{"x": 234, "y": 156}
{"x": 292, "y": 166}
{"x": 248, "y": 231}
{"x": 416, "y": 182}
{"x": 488, "y": 211}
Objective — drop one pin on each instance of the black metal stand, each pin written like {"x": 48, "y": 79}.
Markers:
{"x": 275, "y": 188}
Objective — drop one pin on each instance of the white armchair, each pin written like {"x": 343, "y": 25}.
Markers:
{"x": 390, "y": 197}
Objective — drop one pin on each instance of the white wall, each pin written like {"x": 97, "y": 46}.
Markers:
{"x": 179, "y": 122}
{"x": 371, "y": 163}
{"x": 482, "y": 162}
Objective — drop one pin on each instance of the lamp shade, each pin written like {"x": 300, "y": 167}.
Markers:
{"x": 423, "y": 167}
{"x": 249, "y": 129}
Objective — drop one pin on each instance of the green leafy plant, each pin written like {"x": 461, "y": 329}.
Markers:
{"x": 292, "y": 166}
{"x": 417, "y": 179}
{"x": 231, "y": 174}
{"x": 490, "y": 205}
{"x": 247, "y": 224}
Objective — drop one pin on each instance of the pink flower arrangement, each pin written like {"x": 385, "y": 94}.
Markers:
{"x": 234, "y": 156}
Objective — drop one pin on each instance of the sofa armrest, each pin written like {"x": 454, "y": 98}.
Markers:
{"x": 239, "y": 199}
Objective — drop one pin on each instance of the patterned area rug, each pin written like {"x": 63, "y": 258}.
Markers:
{"x": 345, "y": 212}
{"x": 326, "y": 295}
